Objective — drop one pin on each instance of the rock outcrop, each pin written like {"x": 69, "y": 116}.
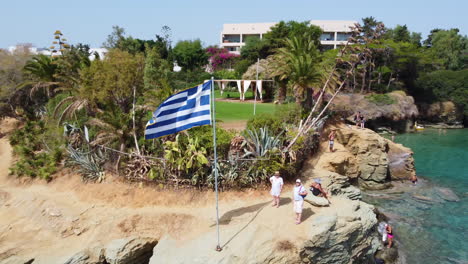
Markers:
{"x": 397, "y": 115}
{"x": 442, "y": 115}
{"x": 401, "y": 161}
{"x": 349, "y": 236}
{"x": 366, "y": 158}
{"x": 120, "y": 251}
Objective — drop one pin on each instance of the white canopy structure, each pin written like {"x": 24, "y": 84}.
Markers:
{"x": 243, "y": 86}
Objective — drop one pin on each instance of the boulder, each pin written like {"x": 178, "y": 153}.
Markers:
{"x": 348, "y": 236}
{"x": 316, "y": 201}
{"x": 92, "y": 255}
{"x": 129, "y": 250}
{"x": 388, "y": 255}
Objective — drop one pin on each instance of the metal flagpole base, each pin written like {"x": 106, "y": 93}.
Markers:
{"x": 218, "y": 248}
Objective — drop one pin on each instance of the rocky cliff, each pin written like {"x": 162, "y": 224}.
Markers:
{"x": 367, "y": 158}
{"x": 397, "y": 110}
{"x": 442, "y": 115}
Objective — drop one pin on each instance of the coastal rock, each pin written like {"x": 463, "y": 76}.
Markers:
{"x": 348, "y": 236}
{"x": 448, "y": 195}
{"x": 258, "y": 245}
{"x": 388, "y": 255}
{"x": 91, "y": 255}
{"x": 129, "y": 250}
{"x": 447, "y": 114}
{"x": 365, "y": 158}
{"x": 336, "y": 184}
{"x": 370, "y": 157}
{"x": 395, "y": 114}
{"x": 401, "y": 162}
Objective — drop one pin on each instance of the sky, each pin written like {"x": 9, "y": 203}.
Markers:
{"x": 90, "y": 21}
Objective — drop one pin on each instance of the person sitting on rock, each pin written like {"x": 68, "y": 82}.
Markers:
{"x": 319, "y": 197}
{"x": 317, "y": 190}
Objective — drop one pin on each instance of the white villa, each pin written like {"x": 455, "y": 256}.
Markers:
{"x": 234, "y": 36}
{"x": 35, "y": 51}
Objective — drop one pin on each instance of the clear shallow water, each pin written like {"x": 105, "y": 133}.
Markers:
{"x": 428, "y": 227}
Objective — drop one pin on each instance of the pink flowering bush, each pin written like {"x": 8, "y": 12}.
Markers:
{"x": 221, "y": 58}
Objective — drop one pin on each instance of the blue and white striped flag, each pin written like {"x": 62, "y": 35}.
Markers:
{"x": 181, "y": 111}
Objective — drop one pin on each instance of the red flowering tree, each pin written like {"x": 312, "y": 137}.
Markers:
{"x": 221, "y": 58}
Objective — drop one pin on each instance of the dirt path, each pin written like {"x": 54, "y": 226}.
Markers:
{"x": 52, "y": 221}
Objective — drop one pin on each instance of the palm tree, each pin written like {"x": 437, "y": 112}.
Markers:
{"x": 298, "y": 63}
{"x": 42, "y": 69}
{"x": 114, "y": 129}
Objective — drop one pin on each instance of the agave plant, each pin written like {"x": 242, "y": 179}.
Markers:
{"x": 260, "y": 142}
{"x": 90, "y": 163}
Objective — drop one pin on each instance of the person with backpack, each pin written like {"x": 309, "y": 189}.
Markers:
{"x": 299, "y": 193}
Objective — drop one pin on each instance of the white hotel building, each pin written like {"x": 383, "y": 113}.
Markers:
{"x": 234, "y": 36}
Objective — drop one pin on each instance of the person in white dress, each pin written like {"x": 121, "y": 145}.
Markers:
{"x": 276, "y": 188}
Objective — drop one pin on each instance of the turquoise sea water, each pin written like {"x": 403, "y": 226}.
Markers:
{"x": 429, "y": 226}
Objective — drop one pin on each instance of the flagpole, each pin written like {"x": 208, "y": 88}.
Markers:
{"x": 256, "y": 88}
{"x": 215, "y": 162}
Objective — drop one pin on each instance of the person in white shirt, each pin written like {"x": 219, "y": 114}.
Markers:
{"x": 299, "y": 193}
{"x": 276, "y": 188}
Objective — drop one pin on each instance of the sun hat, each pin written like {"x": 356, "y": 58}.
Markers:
{"x": 299, "y": 181}
{"x": 317, "y": 181}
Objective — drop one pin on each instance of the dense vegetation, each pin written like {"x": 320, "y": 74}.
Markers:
{"x": 91, "y": 114}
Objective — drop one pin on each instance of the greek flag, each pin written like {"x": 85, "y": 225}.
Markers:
{"x": 181, "y": 111}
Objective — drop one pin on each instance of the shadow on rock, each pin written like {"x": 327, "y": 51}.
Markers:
{"x": 227, "y": 217}
{"x": 306, "y": 213}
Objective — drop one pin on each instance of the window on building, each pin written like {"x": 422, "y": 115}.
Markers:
{"x": 231, "y": 38}
{"x": 343, "y": 36}
{"x": 327, "y": 36}
{"x": 233, "y": 48}
{"x": 246, "y": 37}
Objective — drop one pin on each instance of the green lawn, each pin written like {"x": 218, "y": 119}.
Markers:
{"x": 231, "y": 111}
{"x": 235, "y": 94}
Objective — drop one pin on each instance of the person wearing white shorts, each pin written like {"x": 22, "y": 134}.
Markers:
{"x": 299, "y": 193}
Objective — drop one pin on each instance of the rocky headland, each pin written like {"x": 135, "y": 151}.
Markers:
{"x": 66, "y": 221}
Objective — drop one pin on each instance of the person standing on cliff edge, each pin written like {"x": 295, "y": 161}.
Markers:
{"x": 331, "y": 140}
{"x": 276, "y": 188}
{"x": 357, "y": 119}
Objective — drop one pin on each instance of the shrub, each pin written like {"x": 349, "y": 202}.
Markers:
{"x": 90, "y": 163}
{"x": 204, "y": 134}
{"x": 39, "y": 150}
{"x": 276, "y": 122}
{"x": 380, "y": 99}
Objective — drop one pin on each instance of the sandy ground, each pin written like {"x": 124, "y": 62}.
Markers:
{"x": 234, "y": 125}
{"x": 51, "y": 221}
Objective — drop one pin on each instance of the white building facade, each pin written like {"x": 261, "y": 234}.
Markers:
{"x": 100, "y": 52}
{"x": 234, "y": 36}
